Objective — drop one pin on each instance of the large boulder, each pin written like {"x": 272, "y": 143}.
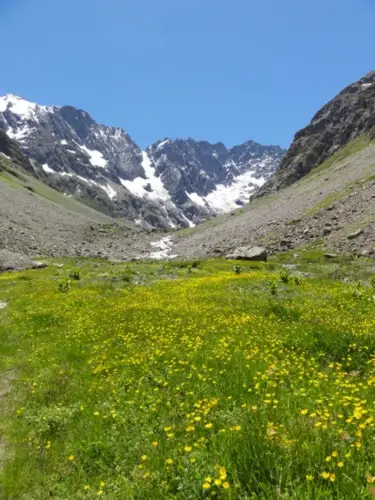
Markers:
{"x": 10, "y": 261}
{"x": 249, "y": 253}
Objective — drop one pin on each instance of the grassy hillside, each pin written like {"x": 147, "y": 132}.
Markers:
{"x": 189, "y": 381}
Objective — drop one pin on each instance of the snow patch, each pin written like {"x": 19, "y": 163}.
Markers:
{"x": 64, "y": 142}
{"x": 162, "y": 143}
{"x": 225, "y": 198}
{"x": 21, "y": 107}
{"x": 20, "y": 134}
{"x": 96, "y": 157}
{"x": 111, "y": 193}
{"x": 137, "y": 186}
{"x": 109, "y": 190}
{"x": 367, "y": 85}
{"x": 47, "y": 169}
{"x": 198, "y": 200}
{"x": 164, "y": 248}
{"x": 191, "y": 224}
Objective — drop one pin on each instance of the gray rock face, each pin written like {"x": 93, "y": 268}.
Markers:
{"x": 189, "y": 166}
{"x": 349, "y": 115}
{"x": 172, "y": 184}
{"x": 249, "y": 253}
{"x": 11, "y": 261}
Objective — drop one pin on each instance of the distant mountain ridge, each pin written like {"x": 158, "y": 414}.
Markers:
{"x": 174, "y": 183}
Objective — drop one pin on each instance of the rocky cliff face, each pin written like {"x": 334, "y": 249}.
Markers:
{"x": 174, "y": 183}
{"x": 348, "y": 116}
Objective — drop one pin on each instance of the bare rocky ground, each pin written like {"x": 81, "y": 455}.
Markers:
{"x": 37, "y": 227}
{"x": 323, "y": 208}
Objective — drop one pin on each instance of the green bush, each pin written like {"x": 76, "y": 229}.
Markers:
{"x": 284, "y": 276}
{"x": 64, "y": 285}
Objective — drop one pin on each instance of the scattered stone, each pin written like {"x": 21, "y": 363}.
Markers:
{"x": 330, "y": 256}
{"x": 39, "y": 265}
{"x": 354, "y": 235}
{"x": 3, "y": 305}
{"x": 249, "y": 253}
{"x": 327, "y": 230}
{"x": 364, "y": 253}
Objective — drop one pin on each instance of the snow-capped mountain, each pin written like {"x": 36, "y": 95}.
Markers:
{"x": 174, "y": 183}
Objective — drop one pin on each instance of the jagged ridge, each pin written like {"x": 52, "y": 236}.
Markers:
{"x": 349, "y": 115}
{"x": 172, "y": 184}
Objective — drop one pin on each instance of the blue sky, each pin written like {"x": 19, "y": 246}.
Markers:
{"x": 228, "y": 70}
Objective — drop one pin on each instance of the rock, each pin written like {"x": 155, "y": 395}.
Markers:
{"x": 354, "y": 235}
{"x": 39, "y": 265}
{"x": 330, "y": 256}
{"x": 3, "y": 305}
{"x": 10, "y": 261}
{"x": 326, "y": 231}
{"x": 249, "y": 253}
{"x": 365, "y": 253}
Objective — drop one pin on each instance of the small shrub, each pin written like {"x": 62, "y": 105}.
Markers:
{"x": 237, "y": 269}
{"x": 284, "y": 276}
{"x": 273, "y": 287}
{"x": 127, "y": 276}
{"x": 297, "y": 280}
{"x": 75, "y": 275}
{"x": 64, "y": 285}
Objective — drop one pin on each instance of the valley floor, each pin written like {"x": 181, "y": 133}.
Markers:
{"x": 189, "y": 380}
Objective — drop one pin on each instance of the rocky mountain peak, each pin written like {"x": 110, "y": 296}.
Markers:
{"x": 174, "y": 183}
{"x": 349, "y": 115}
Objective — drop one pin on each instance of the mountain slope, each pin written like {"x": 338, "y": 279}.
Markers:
{"x": 322, "y": 210}
{"x": 38, "y": 220}
{"x": 322, "y": 196}
{"x": 348, "y": 116}
{"x": 172, "y": 184}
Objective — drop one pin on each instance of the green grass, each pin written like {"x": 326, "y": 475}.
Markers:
{"x": 186, "y": 380}
{"x": 355, "y": 146}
